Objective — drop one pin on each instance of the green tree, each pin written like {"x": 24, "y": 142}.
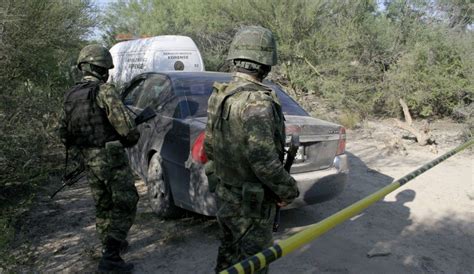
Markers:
{"x": 39, "y": 41}
{"x": 459, "y": 13}
{"x": 354, "y": 55}
{"x": 39, "y": 38}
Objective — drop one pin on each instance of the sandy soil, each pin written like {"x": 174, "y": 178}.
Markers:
{"x": 427, "y": 226}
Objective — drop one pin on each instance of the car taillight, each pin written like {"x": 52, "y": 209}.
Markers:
{"x": 291, "y": 129}
{"x": 341, "y": 147}
{"x": 198, "y": 153}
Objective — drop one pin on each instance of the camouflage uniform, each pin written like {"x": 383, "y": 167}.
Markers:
{"x": 96, "y": 123}
{"x": 246, "y": 147}
{"x": 109, "y": 174}
{"x": 245, "y": 136}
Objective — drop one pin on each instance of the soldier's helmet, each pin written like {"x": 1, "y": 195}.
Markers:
{"x": 256, "y": 44}
{"x": 96, "y": 55}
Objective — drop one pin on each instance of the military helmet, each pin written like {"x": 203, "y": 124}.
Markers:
{"x": 255, "y": 44}
{"x": 96, "y": 55}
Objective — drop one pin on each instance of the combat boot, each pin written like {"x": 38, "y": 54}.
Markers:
{"x": 123, "y": 247}
{"x": 111, "y": 260}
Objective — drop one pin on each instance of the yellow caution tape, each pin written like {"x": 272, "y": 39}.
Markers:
{"x": 284, "y": 247}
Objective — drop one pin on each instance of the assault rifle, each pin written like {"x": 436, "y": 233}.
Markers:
{"x": 71, "y": 178}
{"x": 290, "y": 158}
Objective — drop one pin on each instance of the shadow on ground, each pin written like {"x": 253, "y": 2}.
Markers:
{"x": 59, "y": 236}
{"x": 361, "y": 182}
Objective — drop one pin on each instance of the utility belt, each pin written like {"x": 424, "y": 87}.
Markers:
{"x": 83, "y": 143}
{"x": 112, "y": 153}
{"x": 253, "y": 197}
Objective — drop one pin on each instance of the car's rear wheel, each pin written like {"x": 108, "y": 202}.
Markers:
{"x": 159, "y": 191}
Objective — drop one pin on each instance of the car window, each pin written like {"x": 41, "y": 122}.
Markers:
{"x": 153, "y": 87}
{"x": 288, "y": 105}
{"x": 134, "y": 94}
{"x": 197, "y": 92}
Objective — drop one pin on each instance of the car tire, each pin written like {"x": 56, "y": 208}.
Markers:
{"x": 159, "y": 190}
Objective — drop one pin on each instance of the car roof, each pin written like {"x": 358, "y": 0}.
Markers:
{"x": 189, "y": 75}
{"x": 176, "y": 75}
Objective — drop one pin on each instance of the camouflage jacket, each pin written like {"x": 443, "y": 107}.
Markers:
{"x": 108, "y": 99}
{"x": 245, "y": 137}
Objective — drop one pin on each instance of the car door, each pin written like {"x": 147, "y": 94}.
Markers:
{"x": 132, "y": 94}
{"x": 154, "y": 93}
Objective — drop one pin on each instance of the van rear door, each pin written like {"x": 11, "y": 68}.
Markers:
{"x": 177, "y": 60}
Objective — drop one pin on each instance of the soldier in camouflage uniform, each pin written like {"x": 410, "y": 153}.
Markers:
{"x": 245, "y": 137}
{"x": 96, "y": 122}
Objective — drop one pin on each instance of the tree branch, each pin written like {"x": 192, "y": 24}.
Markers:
{"x": 422, "y": 137}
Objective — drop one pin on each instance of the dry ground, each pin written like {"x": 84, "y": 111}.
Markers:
{"x": 426, "y": 226}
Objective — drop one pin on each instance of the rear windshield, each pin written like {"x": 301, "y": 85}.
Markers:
{"x": 197, "y": 92}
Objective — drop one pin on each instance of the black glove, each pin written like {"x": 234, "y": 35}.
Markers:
{"x": 131, "y": 139}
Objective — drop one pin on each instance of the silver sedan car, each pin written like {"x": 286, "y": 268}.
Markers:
{"x": 170, "y": 155}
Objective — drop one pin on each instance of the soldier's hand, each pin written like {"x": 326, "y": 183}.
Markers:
{"x": 131, "y": 139}
{"x": 291, "y": 194}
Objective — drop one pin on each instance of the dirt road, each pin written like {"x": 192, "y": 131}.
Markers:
{"x": 425, "y": 227}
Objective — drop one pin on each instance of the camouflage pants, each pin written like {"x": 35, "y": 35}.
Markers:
{"x": 242, "y": 237}
{"x": 113, "y": 189}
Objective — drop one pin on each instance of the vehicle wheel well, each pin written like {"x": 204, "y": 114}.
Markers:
{"x": 161, "y": 198}
{"x": 149, "y": 156}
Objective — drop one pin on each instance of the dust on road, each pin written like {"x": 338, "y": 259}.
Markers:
{"x": 427, "y": 226}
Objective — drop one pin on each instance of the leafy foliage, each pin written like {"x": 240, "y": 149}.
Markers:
{"x": 39, "y": 38}
{"x": 360, "y": 56}
{"x": 39, "y": 41}
{"x": 432, "y": 77}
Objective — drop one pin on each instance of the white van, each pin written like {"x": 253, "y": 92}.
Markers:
{"x": 159, "y": 53}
